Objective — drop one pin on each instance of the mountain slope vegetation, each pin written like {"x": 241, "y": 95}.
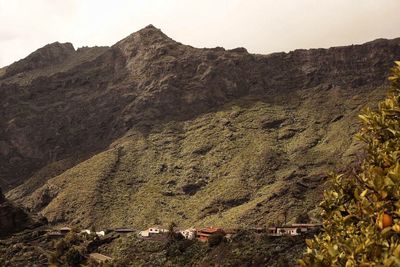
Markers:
{"x": 150, "y": 131}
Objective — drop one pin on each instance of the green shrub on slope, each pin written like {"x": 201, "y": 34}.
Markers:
{"x": 362, "y": 211}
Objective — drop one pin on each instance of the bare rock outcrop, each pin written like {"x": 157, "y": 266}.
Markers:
{"x": 12, "y": 219}
{"x": 48, "y": 55}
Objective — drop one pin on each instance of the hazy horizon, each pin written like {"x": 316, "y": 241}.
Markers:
{"x": 260, "y": 26}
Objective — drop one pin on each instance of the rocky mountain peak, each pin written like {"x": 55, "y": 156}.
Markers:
{"x": 151, "y": 33}
{"x": 56, "y": 48}
{"x": 151, "y": 26}
{"x": 50, "y": 54}
{"x": 145, "y": 40}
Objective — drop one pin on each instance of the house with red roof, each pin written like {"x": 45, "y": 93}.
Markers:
{"x": 205, "y": 233}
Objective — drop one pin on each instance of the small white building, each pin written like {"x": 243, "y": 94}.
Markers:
{"x": 306, "y": 227}
{"x": 152, "y": 231}
{"x": 101, "y": 233}
{"x": 189, "y": 233}
{"x": 86, "y": 231}
{"x": 284, "y": 230}
{"x": 293, "y": 229}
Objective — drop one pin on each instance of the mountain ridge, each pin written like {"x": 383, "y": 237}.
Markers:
{"x": 211, "y": 136}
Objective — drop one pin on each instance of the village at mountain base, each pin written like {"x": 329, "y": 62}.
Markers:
{"x": 201, "y": 234}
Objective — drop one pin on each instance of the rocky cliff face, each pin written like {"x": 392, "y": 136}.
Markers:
{"x": 13, "y": 218}
{"x": 208, "y": 135}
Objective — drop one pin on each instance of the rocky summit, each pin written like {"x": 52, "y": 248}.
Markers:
{"x": 150, "y": 131}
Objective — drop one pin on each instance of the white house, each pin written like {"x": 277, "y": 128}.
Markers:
{"x": 86, "y": 231}
{"x": 284, "y": 230}
{"x": 189, "y": 233}
{"x": 306, "y": 227}
{"x": 101, "y": 233}
{"x": 152, "y": 231}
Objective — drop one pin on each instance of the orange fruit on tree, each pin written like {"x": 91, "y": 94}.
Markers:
{"x": 386, "y": 220}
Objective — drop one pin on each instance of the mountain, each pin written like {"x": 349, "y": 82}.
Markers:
{"x": 150, "y": 131}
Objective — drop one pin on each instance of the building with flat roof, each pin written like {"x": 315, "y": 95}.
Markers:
{"x": 205, "y": 233}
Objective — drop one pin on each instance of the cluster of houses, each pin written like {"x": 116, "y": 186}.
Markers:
{"x": 293, "y": 229}
{"x": 202, "y": 234}
{"x": 65, "y": 230}
{"x": 191, "y": 233}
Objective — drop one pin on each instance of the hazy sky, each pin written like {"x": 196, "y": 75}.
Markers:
{"x": 262, "y": 26}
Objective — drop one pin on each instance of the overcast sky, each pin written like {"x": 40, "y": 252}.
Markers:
{"x": 262, "y": 26}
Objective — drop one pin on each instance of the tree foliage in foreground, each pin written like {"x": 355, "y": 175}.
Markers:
{"x": 361, "y": 213}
